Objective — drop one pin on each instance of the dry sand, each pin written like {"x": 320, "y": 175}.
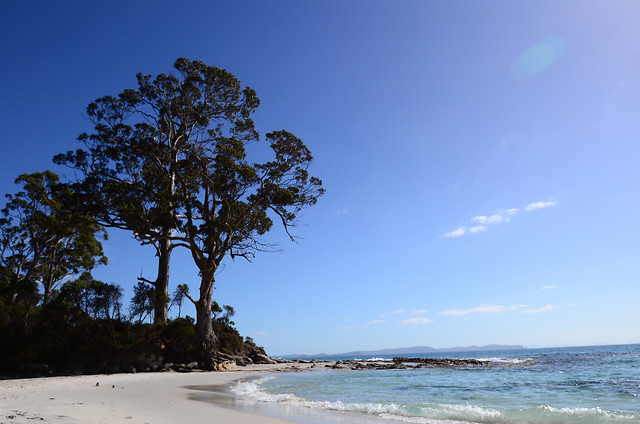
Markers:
{"x": 152, "y": 398}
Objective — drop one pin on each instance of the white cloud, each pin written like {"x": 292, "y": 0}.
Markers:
{"x": 416, "y": 321}
{"x": 419, "y": 311}
{"x": 342, "y": 212}
{"x": 456, "y": 233}
{"x": 516, "y": 307}
{"x": 480, "y": 309}
{"x": 483, "y": 222}
{"x": 376, "y": 322}
{"x": 478, "y": 229}
{"x": 493, "y": 219}
{"x": 510, "y": 212}
{"x": 260, "y": 333}
{"x": 540, "y": 205}
{"x": 400, "y": 311}
{"x": 547, "y": 287}
{"x": 539, "y": 310}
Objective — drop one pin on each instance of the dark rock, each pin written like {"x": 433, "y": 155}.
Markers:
{"x": 243, "y": 361}
{"x": 259, "y": 358}
{"x": 443, "y": 362}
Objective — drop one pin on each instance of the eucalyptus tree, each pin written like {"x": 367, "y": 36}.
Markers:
{"x": 168, "y": 161}
{"x": 43, "y": 239}
{"x": 231, "y": 204}
{"x": 130, "y": 163}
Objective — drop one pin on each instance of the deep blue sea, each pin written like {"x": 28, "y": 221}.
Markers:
{"x": 534, "y": 386}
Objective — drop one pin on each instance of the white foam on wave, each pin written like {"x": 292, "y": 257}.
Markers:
{"x": 510, "y": 361}
{"x": 438, "y": 414}
{"x": 374, "y": 360}
{"x": 590, "y": 413}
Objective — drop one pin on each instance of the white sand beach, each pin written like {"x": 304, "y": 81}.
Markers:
{"x": 143, "y": 398}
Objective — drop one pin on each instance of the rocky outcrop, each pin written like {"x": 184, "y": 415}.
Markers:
{"x": 367, "y": 365}
{"x": 442, "y": 362}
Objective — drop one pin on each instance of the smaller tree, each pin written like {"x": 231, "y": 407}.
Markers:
{"x": 142, "y": 303}
{"x": 107, "y": 301}
{"x": 43, "y": 237}
{"x": 178, "y": 296}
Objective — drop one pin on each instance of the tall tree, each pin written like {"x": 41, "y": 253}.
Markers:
{"x": 168, "y": 162}
{"x": 42, "y": 238}
{"x": 131, "y": 162}
{"x": 230, "y": 205}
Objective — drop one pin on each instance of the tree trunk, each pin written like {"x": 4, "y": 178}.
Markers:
{"x": 47, "y": 292}
{"x": 204, "y": 329}
{"x": 161, "y": 306}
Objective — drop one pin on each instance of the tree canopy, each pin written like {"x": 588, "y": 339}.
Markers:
{"x": 43, "y": 239}
{"x": 140, "y": 147}
{"x": 168, "y": 162}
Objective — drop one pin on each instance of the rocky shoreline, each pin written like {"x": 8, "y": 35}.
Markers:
{"x": 225, "y": 362}
{"x": 401, "y": 363}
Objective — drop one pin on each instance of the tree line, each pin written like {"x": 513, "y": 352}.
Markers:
{"x": 166, "y": 162}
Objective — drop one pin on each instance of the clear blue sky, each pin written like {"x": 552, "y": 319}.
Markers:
{"x": 481, "y": 159}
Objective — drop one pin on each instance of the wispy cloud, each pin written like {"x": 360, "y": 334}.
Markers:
{"x": 516, "y": 307}
{"x": 260, "y": 333}
{"x": 400, "y": 311}
{"x": 341, "y": 212}
{"x": 539, "y": 310}
{"x": 495, "y": 218}
{"x": 540, "y": 205}
{"x": 416, "y": 321}
{"x": 483, "y": 309}
{"x": 376, "y": 322}
{"x": 482, "y": 223}
{"x": 419, "y": 311}
{"x": 456, "y": 233}
{"x": 547, "y": 287}
{"x": 478, "y": 229}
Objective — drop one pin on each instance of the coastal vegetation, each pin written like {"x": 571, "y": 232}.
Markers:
{"x": 166, "y": 162}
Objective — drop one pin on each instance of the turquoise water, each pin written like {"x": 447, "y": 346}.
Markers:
{"x": 534, "y": 386}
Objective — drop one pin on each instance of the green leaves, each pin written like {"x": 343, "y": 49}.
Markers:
{"x": 168, "y": 162}
{"x": 44, "y": 237}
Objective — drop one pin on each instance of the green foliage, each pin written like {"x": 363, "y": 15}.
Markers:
{"x": 43, "y": 239}
{"x": 229, "y": 339}
{"x": 142, "y": 304}
{"x": 182, "y": 291}
{"x": 166, "y": 161}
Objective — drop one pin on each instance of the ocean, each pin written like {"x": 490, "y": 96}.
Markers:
{"x": 580, "y": 385}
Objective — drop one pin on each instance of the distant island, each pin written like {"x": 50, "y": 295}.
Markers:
{"x": 416, "y": 350}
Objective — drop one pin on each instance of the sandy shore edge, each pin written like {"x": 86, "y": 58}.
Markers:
{"x": 145, "y": 398}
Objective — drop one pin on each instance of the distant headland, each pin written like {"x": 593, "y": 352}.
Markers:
{"x": 415, "y": 350}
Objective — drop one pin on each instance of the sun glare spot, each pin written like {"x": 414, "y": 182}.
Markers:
{"x": 537, "y": 58}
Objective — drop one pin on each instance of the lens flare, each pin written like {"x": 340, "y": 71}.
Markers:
{"x": 537, "y": 58}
